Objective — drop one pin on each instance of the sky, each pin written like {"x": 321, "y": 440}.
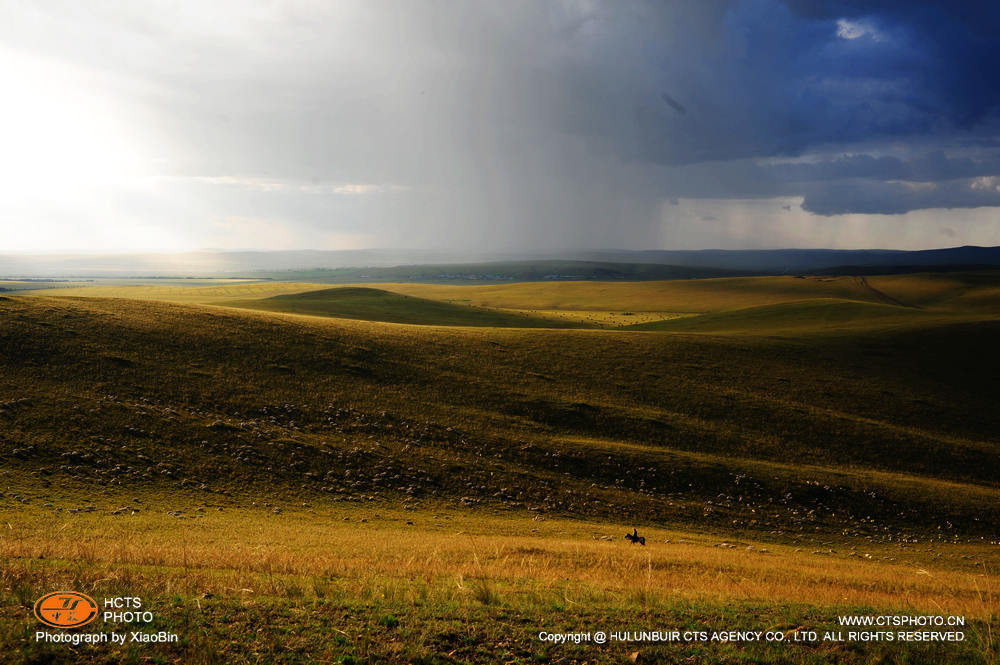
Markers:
{"x": 503, "y": 125}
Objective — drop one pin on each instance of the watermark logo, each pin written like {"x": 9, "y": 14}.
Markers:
{"x": 65, "y": 609}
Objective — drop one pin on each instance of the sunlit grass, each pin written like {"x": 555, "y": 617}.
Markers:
{"x": 239, "y": 548}
{"x": 444, "y": 491}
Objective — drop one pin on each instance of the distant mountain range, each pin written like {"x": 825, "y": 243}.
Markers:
{"x": 382, "y": 265}
{"x": 808, "y": 260}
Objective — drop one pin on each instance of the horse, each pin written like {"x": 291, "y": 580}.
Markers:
{"x": 634, "y": 538}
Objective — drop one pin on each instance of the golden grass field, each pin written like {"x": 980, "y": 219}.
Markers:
{"x": 449, "y": 550}
{"x": 225, "y": 575}
{"x": 303, "y": 488}
{"x": 674, "y": 296}
{"x": 617, "y": 304}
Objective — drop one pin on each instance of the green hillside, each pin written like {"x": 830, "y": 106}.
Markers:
{"x": 378, "y": 305}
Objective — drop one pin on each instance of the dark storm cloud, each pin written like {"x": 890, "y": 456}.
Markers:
{"x": 956, "y": 40}
{"x": 930, "y": 167}
{"x": 868, "y": 197}
{"x": 562, "y": 123}
{"x": 760, "y": 80}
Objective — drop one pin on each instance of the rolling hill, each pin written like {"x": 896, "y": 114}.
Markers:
{"x": 803, "y": 315}
{"x": 793, "y": 450}
{"x": 379, "y": 305}
{"x": 538, "y": 403}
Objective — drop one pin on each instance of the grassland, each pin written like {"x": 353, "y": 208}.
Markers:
{"x": 743, "y": 305}
{"x": 303, "y": 488}
{"x": 371, "y": 304}
{"x": 31, "y": 285}
{"x": 333, "y": 584}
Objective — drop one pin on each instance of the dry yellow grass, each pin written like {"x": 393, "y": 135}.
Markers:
{"x": 239, "y": 550}
{"x": 605, "y": 318}
{"x": 587, "y": 423}
{"x": 617, "y": 304}
{"x": 676, "y": 296}
{"x": 187, "y": 294}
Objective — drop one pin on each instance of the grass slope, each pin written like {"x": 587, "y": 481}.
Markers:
{"x": 379, "y": 305}
{"x": 186, "y": 293}
{"x": 801, "y": 316}
{"x": 693, "y": 411}
{"x": 781, "y": 480}
{"x": 242, "y": 584}
{"x": 720, "y": 303}
{"x": 688, "y": 296}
